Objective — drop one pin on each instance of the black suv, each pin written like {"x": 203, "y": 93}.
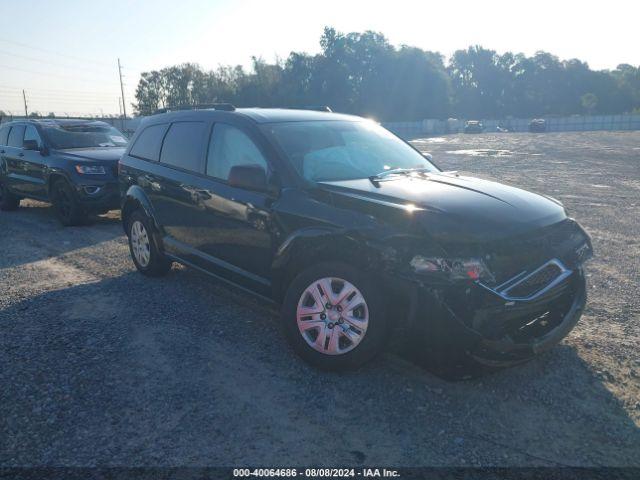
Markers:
{"x": 70, "y": 163}
{"x": 353, "y": 232}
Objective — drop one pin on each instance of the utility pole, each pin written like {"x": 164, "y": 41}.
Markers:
{"x": 120, "y": 112}
{"x": 24, "y": 97}
{"x": 124, "y": 108}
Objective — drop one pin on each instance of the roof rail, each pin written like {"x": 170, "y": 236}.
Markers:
{"x": 227, "y": 107}
{"x": 319, "y": 108}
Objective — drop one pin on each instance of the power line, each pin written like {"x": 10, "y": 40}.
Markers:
{"x": 37, "y": 60}
{"x": 58, "y": 96}
{"x": 5, "y": 87}
{"x": 52, "y": 52}
{"x": 50, "y": 74}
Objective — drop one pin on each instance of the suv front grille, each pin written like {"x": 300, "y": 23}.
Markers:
{"x": 536, "y": 282}
{"x": 530, "y": 285}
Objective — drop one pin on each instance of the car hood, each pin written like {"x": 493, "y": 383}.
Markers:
{"x": 100, "y": 153}
{"x": 452, "y": 207}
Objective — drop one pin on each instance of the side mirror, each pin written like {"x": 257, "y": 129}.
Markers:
{"x": 30, "y": 145}
{"x": 251, "y": 177}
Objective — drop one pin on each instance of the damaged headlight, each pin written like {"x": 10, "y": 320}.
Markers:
{"x": 452, "y": 268}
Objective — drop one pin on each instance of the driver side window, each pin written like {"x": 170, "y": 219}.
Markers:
{"x": 31, "y": 133}
{"x": 229, "y": 147}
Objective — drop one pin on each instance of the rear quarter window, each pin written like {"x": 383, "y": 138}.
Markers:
{"x": 183, "y": 146}
{"x": 16, "y": 136}
{"x": 4, "y": 135}
{"x": 149, "y": 142}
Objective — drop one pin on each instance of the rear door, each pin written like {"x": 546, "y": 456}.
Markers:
{"x": 4, "y": 136}
{"x": 14, "y": 159}
{"x": 34, "y": 165}
{"x": 175, "y": 190}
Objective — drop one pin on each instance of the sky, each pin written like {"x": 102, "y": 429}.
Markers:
{"x": 64, "y": 53}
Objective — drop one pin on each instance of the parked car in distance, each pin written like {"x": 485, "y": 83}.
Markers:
{"x": 354, "y": 233}
{"x": 71, "y": 163}
{"x": 538, "y": 125}
{"x": 473, "y": 126}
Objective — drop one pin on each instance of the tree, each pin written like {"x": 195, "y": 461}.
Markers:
{"x": 362, "y": 73}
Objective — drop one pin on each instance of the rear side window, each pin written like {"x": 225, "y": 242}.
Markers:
{"x": 183, "y": 144}
{"x": 16, "y": 135}
{"x": 4, "y": 134}
{"x": 148, "y": 143}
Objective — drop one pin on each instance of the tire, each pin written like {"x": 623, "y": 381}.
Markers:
{"x": 66, "y": 205}
{"x": 146, "y": 255}
{"x": 8, "y": 201}
{"x": 334, "y": 338}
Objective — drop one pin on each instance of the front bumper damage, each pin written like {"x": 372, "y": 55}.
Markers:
{"x": 505, "y": 324}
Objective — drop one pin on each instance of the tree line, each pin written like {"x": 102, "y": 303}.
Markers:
{"x": 363, "y": 74}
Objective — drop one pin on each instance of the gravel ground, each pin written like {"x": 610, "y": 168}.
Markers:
{"x": 101, "y": 366}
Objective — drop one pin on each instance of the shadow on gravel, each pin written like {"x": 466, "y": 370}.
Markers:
{"x": 35, "y": 233}
{"x": 181, "y": 371}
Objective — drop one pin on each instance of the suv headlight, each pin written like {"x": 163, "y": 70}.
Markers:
{"x": 452, "y": 268}
{"x": 90, "y": 169}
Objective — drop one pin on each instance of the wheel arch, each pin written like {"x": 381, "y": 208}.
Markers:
{"x": 135, "y": 199}
{"x": 316, "y": 245}
{"x": 52, "y": 179}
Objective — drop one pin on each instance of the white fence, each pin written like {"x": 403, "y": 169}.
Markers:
{"x": 574, "y": 123}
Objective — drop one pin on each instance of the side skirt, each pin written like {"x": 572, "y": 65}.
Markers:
{"x": 176, "y": 258}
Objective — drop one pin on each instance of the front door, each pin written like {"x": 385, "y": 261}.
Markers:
{"x": 240, "y": 225}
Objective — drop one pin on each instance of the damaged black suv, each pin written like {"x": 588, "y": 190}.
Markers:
{"x": 354, "y": 232}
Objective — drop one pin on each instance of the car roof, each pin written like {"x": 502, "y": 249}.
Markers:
{"x": 260, "y": 115}
{"x": 275, "y": 115}
{"x": 58, "y": 121}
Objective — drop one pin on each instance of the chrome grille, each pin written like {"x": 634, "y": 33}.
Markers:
{"x": 528, "y": 286}
{"x": 536, "y": 282}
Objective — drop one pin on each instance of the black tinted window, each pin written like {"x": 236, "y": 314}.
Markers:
{"x": 4, "y": 134}
{"x": 148, "y": 143}
{"x": 229, "y": 147}
{"x": 15, "y": 137}
{"x": 182, "y": 145}
{"x": 31, "y": 133}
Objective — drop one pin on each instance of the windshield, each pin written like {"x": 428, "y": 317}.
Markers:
{"x": 85, "y": 135}
{"x": 339, "y": 150}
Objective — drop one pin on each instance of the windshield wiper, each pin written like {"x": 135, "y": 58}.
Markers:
{"x": 375, "y": 179}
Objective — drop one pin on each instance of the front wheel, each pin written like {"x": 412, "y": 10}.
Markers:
{"x": 66, "y": 205}
{"x": 334, "y": 317}
{"x": 145, "y": 253}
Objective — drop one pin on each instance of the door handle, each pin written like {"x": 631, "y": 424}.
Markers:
{"x": 21, "y": 154}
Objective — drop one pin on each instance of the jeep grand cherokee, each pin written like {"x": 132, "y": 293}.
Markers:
{"x": 70, "y": 163}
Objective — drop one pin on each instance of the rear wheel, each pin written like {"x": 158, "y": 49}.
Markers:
{"x": 334, "y": 317}
{"x": 66, "y": 205}
{"x": 145, "y": 253}
{"x": 8, "y": 201}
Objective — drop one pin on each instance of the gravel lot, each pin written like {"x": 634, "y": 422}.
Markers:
{"x": 101, "y": 366}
